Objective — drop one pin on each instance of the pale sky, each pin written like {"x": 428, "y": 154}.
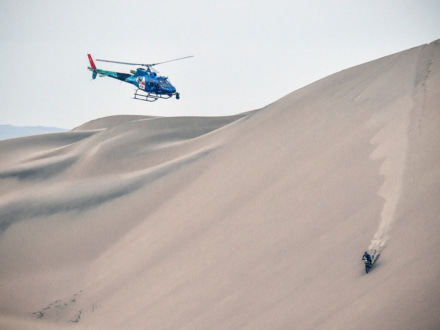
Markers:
{"x": 247, "y": 54}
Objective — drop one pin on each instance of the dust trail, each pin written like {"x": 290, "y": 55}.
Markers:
{"x": 391, "y": 146}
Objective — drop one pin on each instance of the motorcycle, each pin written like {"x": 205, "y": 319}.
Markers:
{"x": 369, "y": 258}
{"x": 368, "y": 264}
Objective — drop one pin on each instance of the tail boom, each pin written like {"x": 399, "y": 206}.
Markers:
{"x": 104, "y": 73}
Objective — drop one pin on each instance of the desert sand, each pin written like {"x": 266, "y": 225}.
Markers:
{"x": 252, "y": 221}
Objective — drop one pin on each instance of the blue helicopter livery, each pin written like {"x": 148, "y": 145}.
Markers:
{"x": 149, "y": 86}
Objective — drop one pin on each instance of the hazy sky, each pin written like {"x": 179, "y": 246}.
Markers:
{"x": 247, "y": 53}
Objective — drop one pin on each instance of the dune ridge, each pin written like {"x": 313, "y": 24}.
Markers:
{"x": 252, "y": 221}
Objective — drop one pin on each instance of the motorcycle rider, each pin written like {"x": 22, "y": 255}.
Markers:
{"x": 367, "y": 257}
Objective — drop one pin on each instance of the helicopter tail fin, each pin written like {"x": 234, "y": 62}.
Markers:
{"x": 92, "y": 64}
{"x": 92, "y": 67}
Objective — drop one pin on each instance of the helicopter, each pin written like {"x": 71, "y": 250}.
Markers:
{"x": 149, "y": 85}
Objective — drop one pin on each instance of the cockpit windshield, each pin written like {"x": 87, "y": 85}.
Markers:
{"x": 165, "y": 84}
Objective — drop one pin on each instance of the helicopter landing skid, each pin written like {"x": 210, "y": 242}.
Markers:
{"x": 149, "y": 96}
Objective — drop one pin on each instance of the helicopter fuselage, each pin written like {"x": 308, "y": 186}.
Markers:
{"x": 150, "y": 86}
{"x": 149, "y": 81}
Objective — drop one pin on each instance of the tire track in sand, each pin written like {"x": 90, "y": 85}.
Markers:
{"x": 392, "y": 144}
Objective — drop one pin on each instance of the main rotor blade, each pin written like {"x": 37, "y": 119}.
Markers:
{"x": 176, "y": 59}
{"x": 146, "y": 65}
{"x": 119, "y": 62}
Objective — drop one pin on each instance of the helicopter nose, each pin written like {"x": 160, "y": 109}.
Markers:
{"x": 171, "y": 89}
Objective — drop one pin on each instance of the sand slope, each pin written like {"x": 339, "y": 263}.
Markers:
{"x": 253, "y": 221}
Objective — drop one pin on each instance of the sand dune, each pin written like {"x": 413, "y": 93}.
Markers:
{"x": 253, "y": 221}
